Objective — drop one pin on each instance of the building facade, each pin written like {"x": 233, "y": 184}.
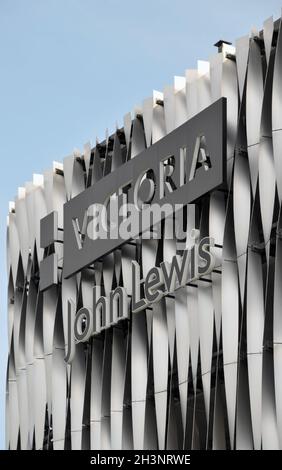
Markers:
{"x": 201, "y": 367}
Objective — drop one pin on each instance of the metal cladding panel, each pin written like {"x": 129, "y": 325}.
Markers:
{"x": 200, "y": 368}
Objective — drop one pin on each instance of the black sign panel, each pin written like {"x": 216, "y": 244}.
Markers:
{"x": 194, "y": 154}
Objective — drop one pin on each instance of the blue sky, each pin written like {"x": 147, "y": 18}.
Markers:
{"x": 72, "y": 68}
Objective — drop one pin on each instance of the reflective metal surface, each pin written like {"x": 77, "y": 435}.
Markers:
{"x": 201, "y": 369}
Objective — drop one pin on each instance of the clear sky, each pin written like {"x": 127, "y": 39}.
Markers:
{"x": 72, "y": 68}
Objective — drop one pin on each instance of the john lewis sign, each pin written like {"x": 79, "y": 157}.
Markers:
{"x": 159, "y": 282}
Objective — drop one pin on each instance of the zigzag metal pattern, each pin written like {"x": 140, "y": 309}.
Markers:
{"x": 203, "y": 369}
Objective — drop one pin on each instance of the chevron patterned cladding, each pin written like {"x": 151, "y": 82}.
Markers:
{"x": 201, "y": 369}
